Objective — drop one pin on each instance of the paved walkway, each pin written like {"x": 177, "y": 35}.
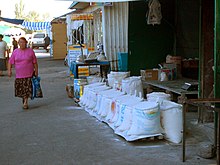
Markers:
{"x": 56, "y": 132}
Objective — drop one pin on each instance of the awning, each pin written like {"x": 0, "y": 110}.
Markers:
{"x": 13, "y": 21}
{"x": 36, "y": 25}
{"x": 14, "y": 32}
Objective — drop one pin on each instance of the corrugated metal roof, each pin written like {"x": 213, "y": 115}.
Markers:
{"x": 79, "y": 5}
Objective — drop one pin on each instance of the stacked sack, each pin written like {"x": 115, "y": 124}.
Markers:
{"x": 132, "y": 117}
{"x": 171, "y": 116}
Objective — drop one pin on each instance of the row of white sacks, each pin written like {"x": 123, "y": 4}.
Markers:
{"x": 123, "y": 82}
{"x": 133, "y": 117}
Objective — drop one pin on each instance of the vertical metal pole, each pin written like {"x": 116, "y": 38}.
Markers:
{"x": 201, "y": 64}
{"x": 217, "y": 71}
{"x": 218, "y": 141}
{"x": 216, "y": 59}
{"x": 184, "y": 130}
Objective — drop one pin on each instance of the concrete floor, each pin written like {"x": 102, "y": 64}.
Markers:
{"x": 54, "y": 131}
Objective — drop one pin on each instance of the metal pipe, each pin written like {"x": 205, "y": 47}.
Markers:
{"x": 218, "y": 141}
{"x": 201, "y": 102}
{"x": 184, "y": 130}
{"x": 201, "y": 64}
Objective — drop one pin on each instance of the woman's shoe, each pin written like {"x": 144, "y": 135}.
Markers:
{"x": 25, "y": 103}
{"x": 25, "y": 106}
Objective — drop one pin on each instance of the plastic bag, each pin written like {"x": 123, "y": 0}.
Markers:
{"x": 154, "y": 15}
{"x": 37, "y": 91}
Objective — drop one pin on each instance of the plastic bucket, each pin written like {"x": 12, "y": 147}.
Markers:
{"x": 78, "y": 87}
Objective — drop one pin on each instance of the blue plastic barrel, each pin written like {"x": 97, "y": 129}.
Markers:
{"x": 122, "y": 61}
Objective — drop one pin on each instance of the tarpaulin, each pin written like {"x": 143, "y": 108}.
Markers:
{"x": 28, "y": 25}
{"x": 13, "y": 21}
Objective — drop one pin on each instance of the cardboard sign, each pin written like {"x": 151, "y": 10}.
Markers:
{"x": 73, "y": 52}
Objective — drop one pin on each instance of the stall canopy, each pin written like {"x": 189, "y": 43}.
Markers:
{"x": 12, "y": 21}
{"x": 36, "y": 25}
{"x": 27, "y": 25}
{"x": 14, "y": 32}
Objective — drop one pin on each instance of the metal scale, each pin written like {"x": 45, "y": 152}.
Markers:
{"x": 190, "y": 86}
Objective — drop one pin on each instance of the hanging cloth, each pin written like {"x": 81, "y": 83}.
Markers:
{"x": 154, "y": 15}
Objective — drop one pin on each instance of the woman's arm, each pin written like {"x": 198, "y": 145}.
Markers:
{"x": 36, "y": 69}
{"x": 9, "y": 69}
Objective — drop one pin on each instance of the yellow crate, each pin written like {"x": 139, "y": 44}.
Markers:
{"x": 83, "y": 69}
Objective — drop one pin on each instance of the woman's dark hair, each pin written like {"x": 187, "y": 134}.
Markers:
{"x": 1, "y": 36}
{"x": 22, "y": 38}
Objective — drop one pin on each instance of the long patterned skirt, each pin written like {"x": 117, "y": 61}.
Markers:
{"x": 23, "y": 87}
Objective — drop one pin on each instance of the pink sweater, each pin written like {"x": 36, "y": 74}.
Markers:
{"x": 24, "y": 61}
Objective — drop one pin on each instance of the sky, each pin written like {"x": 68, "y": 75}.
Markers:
{"x": 54, "y": 7}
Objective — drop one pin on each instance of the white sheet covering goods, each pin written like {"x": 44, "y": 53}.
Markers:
{"x": 171, "y": 121}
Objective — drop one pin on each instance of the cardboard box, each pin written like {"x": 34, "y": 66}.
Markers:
{"x": 149, "y": 74}
{"x": 168, "y": 75}
{"x": 174, "y": 69}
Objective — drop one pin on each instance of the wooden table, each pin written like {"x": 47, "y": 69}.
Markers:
{"x": 171, "y": 87}
{"x": 103, "y": 65}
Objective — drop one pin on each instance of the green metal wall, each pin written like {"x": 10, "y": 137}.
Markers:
{"x": 217, "y": 49}
{"x": 187, "y": 28}
{"x": 178, "y": 34}
{"x": 148, "y": 45}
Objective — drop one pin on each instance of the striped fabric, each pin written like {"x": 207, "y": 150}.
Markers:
{"x": 36, "y": 25}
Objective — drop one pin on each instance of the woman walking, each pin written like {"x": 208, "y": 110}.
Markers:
{"x": 26, "y": 66}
